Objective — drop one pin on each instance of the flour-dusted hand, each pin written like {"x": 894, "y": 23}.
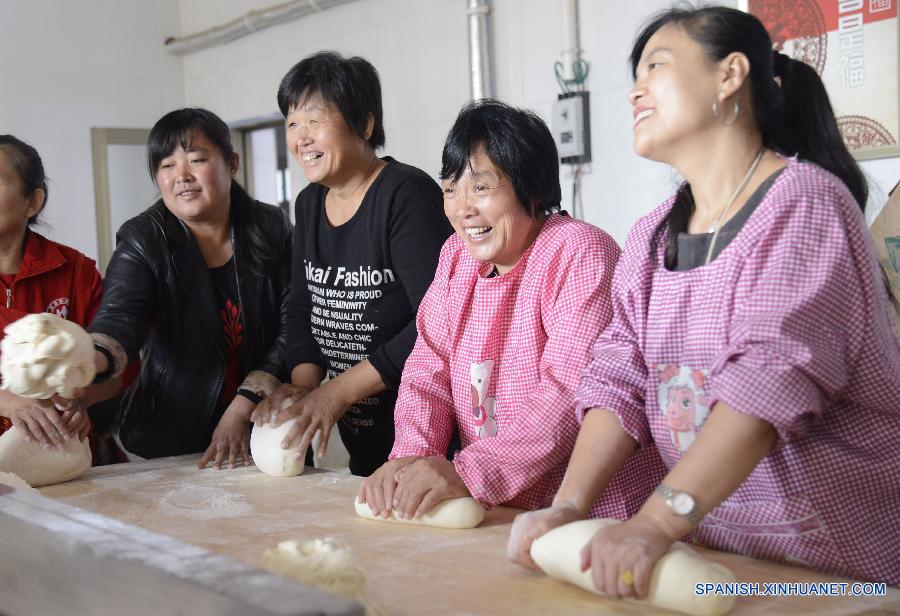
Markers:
{"x": 274, "y": 408}
{"x": 621, "y": 557}
{"x": 378, "y": 488}
{"x": 527, "y": 527}
{"x": 425, "y": 483}
{"x": 231, "y": 438}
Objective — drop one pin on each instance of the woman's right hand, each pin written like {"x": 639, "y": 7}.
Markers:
{"x": 534, "y": 524}
{"x": 38, "y": 420}
{"x": 269, "y": 410}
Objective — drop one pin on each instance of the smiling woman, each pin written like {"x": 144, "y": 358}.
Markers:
{"x": 366, "y": 243}
{"x": 194, "y": 293}
{"x": 505, "y": 330}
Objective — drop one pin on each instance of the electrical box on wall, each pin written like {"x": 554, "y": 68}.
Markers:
{"x": 571, "y": 127}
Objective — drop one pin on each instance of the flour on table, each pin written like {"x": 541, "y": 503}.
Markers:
{"x": 44, "y": 354}
{"x": 203, "y": 503}
{"x": 39, "y": 466}
{"x": 14, "y": 481}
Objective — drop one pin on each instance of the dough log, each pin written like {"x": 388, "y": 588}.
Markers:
{"x": 672, "y": 582}
{"x": 463, "y": 512}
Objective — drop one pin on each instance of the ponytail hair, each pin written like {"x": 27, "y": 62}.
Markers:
{"x": 793, "y": 115}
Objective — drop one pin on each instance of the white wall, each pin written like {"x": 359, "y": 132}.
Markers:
{"x": 420, "y": 49}
{"x": 68, "y": 66}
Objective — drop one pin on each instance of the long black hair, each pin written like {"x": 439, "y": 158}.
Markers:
{"x": 178, "y": 128}
{"x": 793, "y": 118}
{"x": 27, "y": 164}
{"x": 517, "y": 141}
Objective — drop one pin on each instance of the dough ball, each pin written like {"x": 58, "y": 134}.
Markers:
{"x": 326, "y": 563}
{"x": 672, "y": 582}
{"x": 463, "y": 512}
{"x": 39, "y": 466}
{"x": 270, "y": 458}
{"x": 44, "y": 354}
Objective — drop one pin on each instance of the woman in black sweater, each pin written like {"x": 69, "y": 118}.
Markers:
{"x": 196, "y": 288}
{"x": 368, "y": 234}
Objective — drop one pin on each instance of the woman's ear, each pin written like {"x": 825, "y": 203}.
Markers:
{"x": 370, "y": 126}
{"x": 733, "y": 72}
{"x": 36, "y": 203}
{"x": 234, "y": 163}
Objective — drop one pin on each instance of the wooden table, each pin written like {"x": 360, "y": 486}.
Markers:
{"x": 409, "y": 569}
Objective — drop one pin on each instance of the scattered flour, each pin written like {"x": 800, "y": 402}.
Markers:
{"x": 203, "y": 503}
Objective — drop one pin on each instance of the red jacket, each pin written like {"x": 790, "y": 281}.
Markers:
{"x": 52, "y": 278}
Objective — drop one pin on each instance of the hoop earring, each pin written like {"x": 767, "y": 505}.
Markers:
{"x": 737, "y": 111}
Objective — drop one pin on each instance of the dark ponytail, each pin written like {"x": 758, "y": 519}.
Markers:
{"x": 793, "y": 118}
{"x": 27, "y": 164}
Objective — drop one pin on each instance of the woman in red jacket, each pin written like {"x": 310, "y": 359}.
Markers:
{"x": 39, "y": 275}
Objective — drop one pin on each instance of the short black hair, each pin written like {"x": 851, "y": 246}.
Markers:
{"x": 177, "y": 128}
{"x": 350, "y": 84}
{"x": 27, "y": 164}
{"x": 519, "y": 144}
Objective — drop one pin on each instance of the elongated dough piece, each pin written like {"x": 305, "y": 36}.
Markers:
{"x": 463, "y": 512}
{"x": 672, "y": 582}
{"x": 39, "y": 466}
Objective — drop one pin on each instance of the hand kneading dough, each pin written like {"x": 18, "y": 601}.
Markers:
{"x": 325, "y": 563}
{"x": 266, "y": 451}
{"x": 44, "y": 354}
{"x": 39, "y": 466}
{"x": 463, "y": 512}
{"x": 671, "y": 585}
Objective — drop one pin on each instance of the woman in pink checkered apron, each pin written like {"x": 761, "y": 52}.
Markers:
{"x": 751, "y": 340}
{"x": 504, "y": 333}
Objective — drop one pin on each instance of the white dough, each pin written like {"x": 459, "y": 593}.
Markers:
{"x": 44, "y": 354}
{"x": 672, "y": 582}
{"x": 326, "y": 563}
{"x": 39, "y": 466}
{"x": 463, "y": 512}
{"x": 266, "y": 451}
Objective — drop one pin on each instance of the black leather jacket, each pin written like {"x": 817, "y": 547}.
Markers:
{"x": 159, "y": 305}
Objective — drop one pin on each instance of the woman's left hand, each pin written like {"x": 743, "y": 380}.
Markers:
{"x": 425, "y": 483}
{"x": 231, "y": 437}
{"x": 621, "y": 557}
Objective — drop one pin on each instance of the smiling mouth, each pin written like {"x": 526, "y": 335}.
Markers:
{"x": 477, "y": 232}
{"x": 187, "y": 194}
{"x": 646, "y": 113}
{"x": 310, "y": 156}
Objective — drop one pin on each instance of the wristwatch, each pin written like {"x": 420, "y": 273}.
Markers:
{"x": 681, "y": 503}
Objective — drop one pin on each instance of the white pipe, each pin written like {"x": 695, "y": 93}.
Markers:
{"x": 570, "y": 42}
{"x": 249, "y": 23}
{"x": 481, "y": 79}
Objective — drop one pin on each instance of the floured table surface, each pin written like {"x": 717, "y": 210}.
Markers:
{"x": 409, "y": 569}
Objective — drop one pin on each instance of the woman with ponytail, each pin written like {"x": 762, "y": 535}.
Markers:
{"x": 751, "y": 340}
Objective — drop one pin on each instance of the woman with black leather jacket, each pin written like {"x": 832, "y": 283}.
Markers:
{"x": 195, "y": 292}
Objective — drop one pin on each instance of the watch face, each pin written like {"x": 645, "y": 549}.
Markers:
{"x": 682, "y": 503}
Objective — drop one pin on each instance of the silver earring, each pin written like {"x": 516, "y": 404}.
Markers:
{"x": 737, "y": 111}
